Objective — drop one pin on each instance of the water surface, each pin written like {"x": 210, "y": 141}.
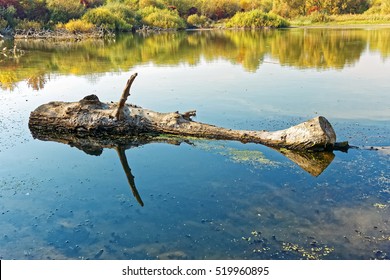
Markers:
{"x": 202, "y": 199}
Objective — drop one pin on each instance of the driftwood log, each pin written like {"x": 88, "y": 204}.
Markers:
{"x": 90, "y": 117}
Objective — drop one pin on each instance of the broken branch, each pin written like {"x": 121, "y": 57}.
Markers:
{"x": 126, "y": 93}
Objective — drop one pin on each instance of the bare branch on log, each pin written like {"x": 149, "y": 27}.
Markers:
{"x": 187, "y": 115}
{"x": 125, "y": 95}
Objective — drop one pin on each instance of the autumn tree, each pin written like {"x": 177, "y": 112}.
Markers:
{"x": 264, "y": 5}
{"x": 294, "y": 8}
{"x": 289, "y": 8}
{"x": 182, "y": 6}
{"x": 335, "y": 7}
{"x": 35, "y": 10}
{"x": 379, "y": 7}
{"x": 12, "y": 5}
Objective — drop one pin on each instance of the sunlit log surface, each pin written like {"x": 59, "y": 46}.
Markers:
{"x": 91, "y": 117}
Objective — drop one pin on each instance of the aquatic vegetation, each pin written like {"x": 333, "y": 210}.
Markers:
{"x": 252, "y": 157}
{"x": 316, "y": 252}
{"x": 380, "y": 205}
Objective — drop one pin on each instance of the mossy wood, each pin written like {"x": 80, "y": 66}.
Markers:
{"x": 90, "y": 117}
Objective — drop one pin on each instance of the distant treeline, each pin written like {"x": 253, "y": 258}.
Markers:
{"x": 126, "y": 15}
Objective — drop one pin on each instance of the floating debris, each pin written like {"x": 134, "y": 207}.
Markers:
{"x": 315, "y": 253}
{"x": 99, "y": 254}
{"x": 380, "y": 205}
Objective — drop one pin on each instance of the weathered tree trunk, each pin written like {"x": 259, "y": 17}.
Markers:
{"x": 91, "y": 117}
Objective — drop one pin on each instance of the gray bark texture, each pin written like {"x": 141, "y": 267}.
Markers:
{"x": 90, "y": 117}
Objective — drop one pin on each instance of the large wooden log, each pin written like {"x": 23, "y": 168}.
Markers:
{"x": 91, "y": 117}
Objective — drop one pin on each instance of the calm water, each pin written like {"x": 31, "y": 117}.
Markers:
{"x": 203, "y": 199}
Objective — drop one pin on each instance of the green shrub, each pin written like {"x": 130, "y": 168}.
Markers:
{"x": 165, "y": 19}
{"x": 219, "y": 9}
{"x": 3, "y": 24}
{"x": 8, "y": 14}
{"x": 150, "y": 3}
{"x": 102, "y": 17}
{"x": 131, "y": 4}
{"x": 379, "y": 7}
{"x": 124, "y": 12}
{"x": 198, "y": 21}
{"x": 29, "y": 24}
{"x": 79, "y": 26}
{"x": 144, "y": 12}
{"x": 256, "y": 19}
{"x": 317, "y": 16}
{"x": 264, "y": 5}
{"x": 63, "y": 11}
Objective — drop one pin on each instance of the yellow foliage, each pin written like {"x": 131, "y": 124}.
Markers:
{"x": 78, "y": 25}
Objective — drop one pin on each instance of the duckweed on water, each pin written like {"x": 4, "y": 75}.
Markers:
{"x": 252, "y": 157}
{"x": 380, "y": 206}
{"x": 315, "y": 253}
{"x": 255, "y": 158}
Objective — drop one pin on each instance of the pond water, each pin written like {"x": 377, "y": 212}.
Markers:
{"x": 201, "y": 199}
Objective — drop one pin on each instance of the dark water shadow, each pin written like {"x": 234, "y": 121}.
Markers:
{"x": 312, "y": 162}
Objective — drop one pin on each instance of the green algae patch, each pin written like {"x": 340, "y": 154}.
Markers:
{"x": 314, "y": 253}
{"x": 254, "y": 158}
{"x": 251, "y": 157}
{"x": 380, "y": 205}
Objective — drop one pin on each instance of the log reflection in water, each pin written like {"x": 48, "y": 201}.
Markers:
{"x": 312, "y": 162}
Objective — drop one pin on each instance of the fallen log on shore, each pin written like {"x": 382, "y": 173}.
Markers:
{"x": 90, "y": 117}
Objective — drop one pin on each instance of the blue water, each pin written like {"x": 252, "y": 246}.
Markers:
{"x": 207, "y": 199}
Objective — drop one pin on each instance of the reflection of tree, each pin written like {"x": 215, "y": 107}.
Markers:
{"x": 380, "y": 41}
{"x": 321, "y": 49}
{"x": 37, "y": 82}
{"x": 302, "y": 48}
{"x": 8, "y": 79}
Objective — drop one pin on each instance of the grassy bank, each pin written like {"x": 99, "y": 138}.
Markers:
{"x": 87, "y": 16}
{"x": 339, "y": 20}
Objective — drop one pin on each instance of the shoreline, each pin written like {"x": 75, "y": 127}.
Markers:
{"x": 62, "y": 35}
{"x": 343, "y": 26}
